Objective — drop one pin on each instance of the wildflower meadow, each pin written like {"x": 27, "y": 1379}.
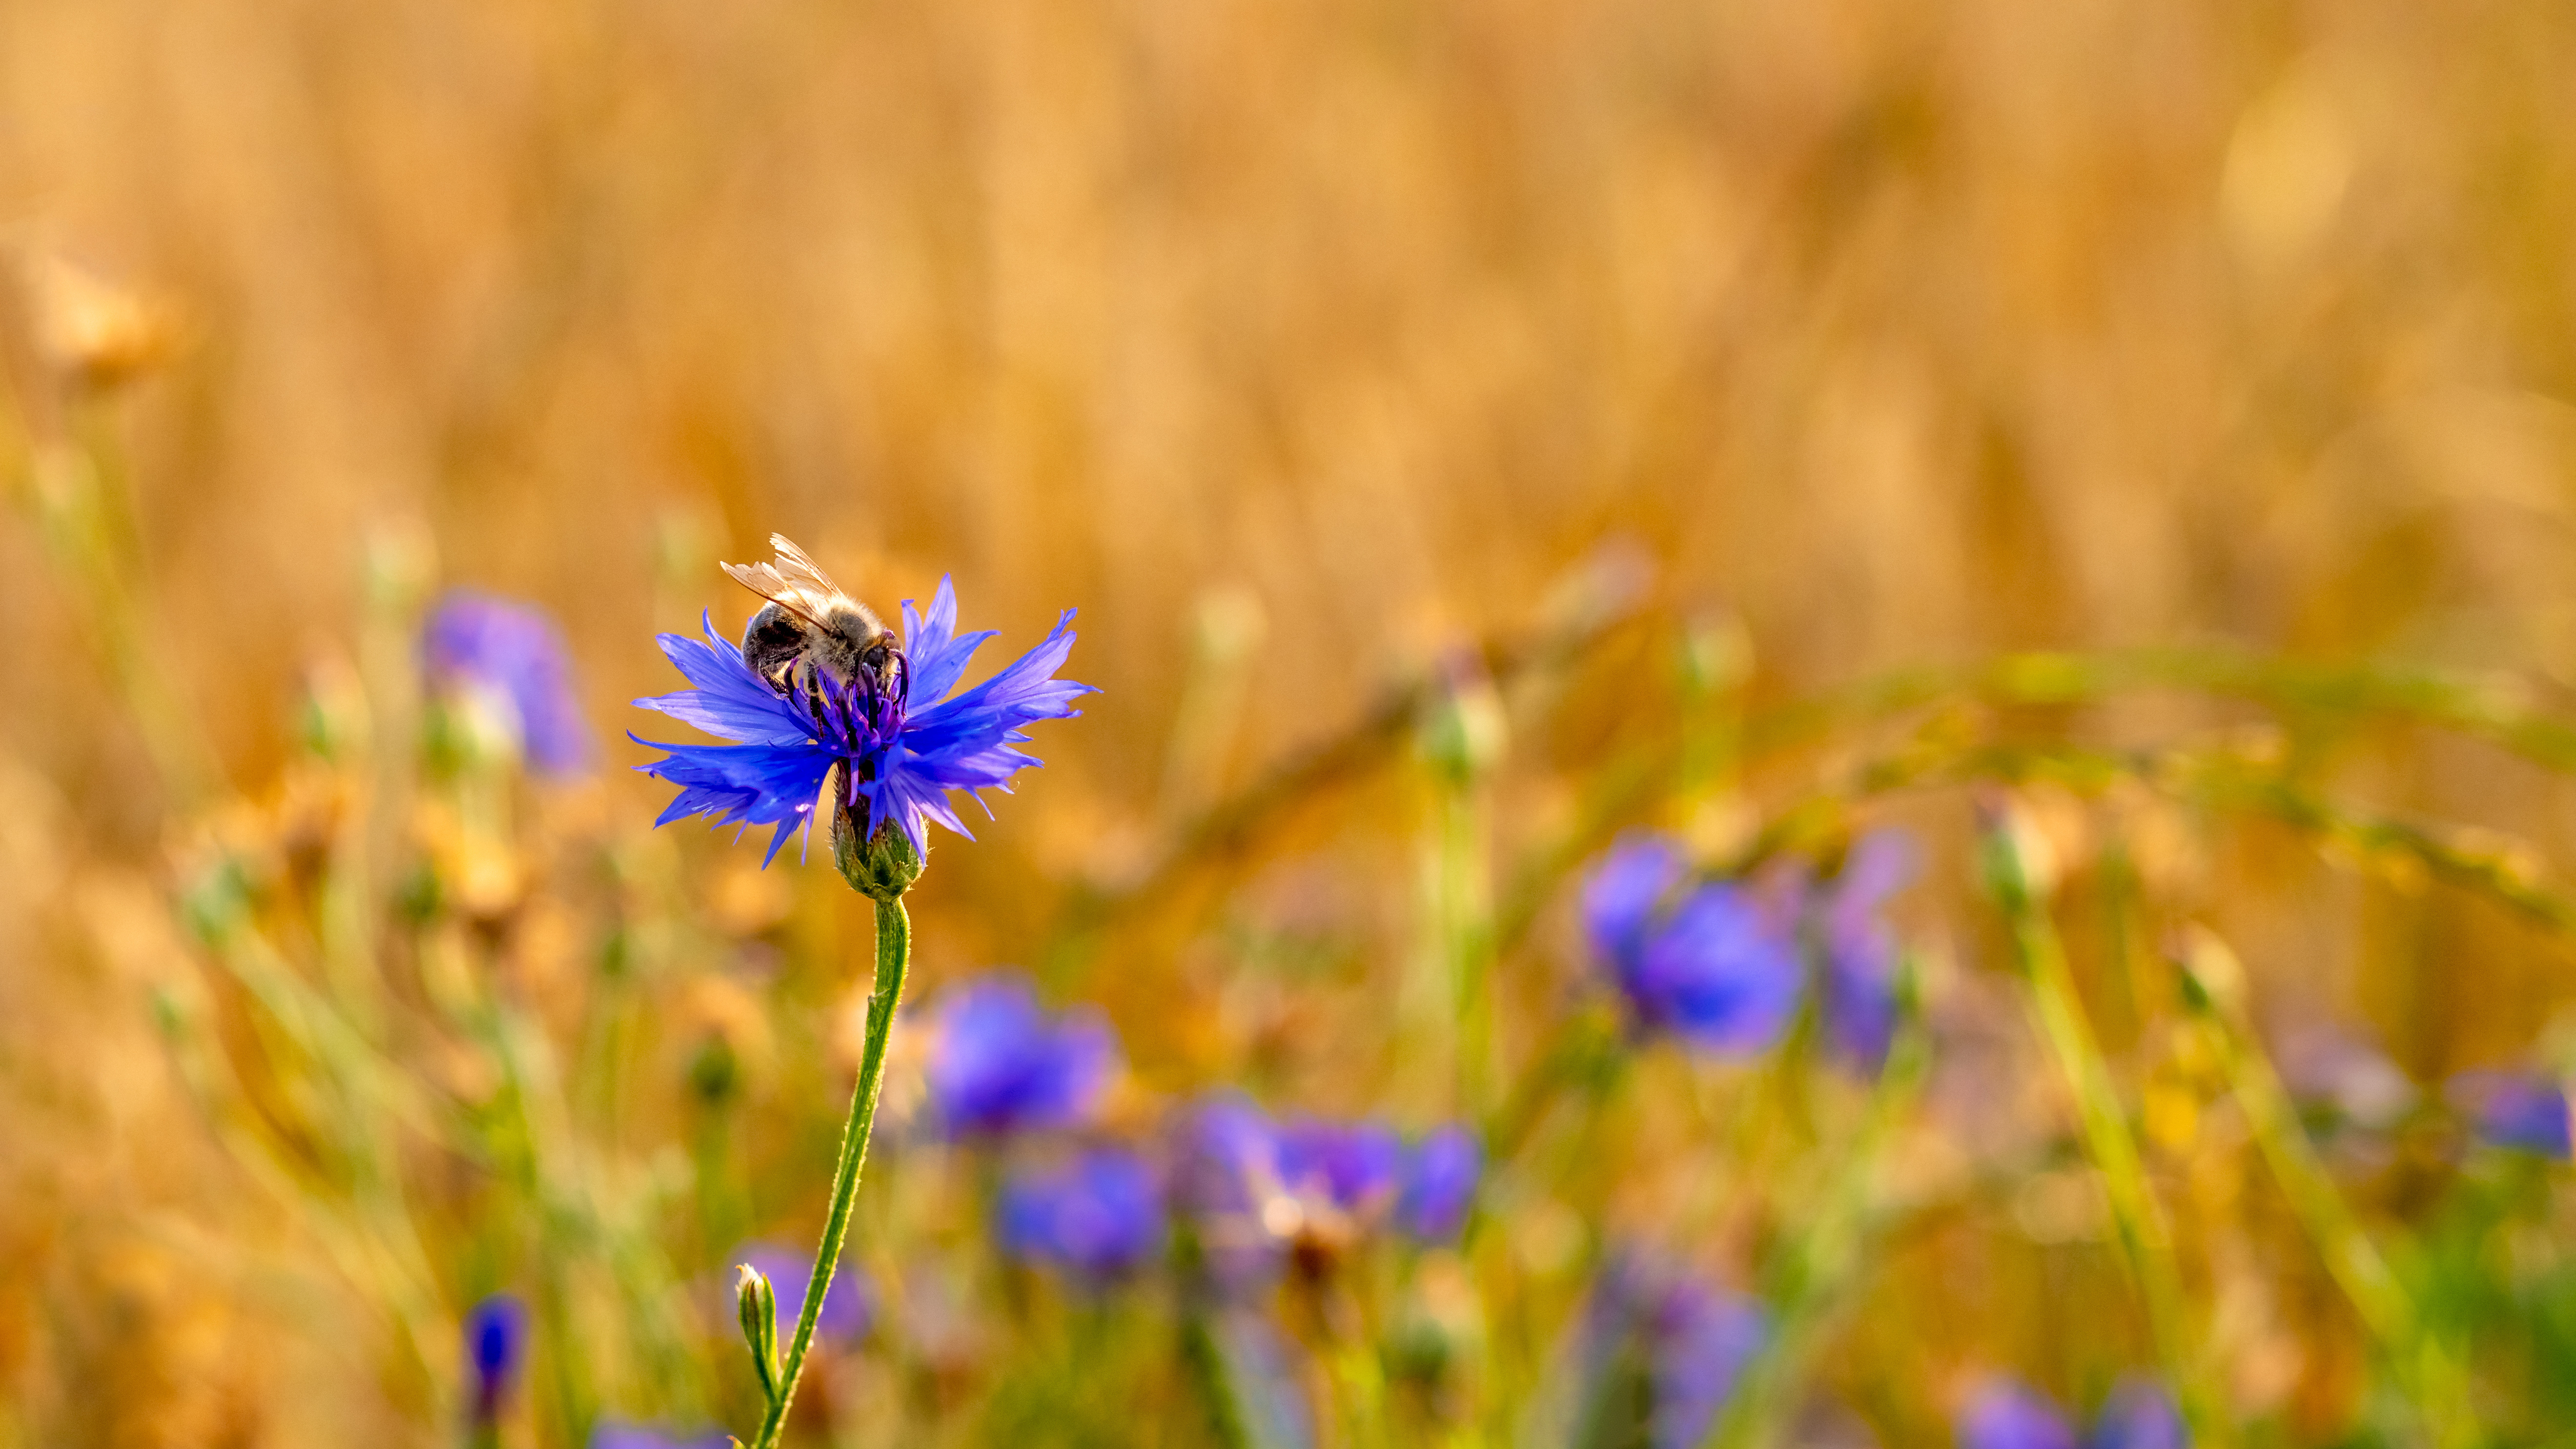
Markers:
{"x": 1625, "y": 726}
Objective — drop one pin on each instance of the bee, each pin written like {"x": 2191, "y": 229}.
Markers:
{"x": 810, "y": 631}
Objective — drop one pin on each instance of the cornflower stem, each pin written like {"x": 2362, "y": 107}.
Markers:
{"x": 1815, "y": 1270}
{"x": 894, "y": 953}
{"x": 2019, "y": 887}
{"x": 2211, "y": 991}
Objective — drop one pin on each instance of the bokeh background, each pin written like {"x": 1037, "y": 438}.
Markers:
{"x": 1296, "y": 345}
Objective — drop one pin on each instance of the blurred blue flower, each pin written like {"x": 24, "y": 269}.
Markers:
{"x": 1439, "y": 1184}
{"x": 1714, "y": 967}
{"x": 1860, "y": 952}
{"x": 906, "y": 755}
{"x": 998, "y": 1063}
{"x": 2526, "y": 1111}
{"x": 1257, "y": 1192}
{"x": 1225, "y": 1179}
{"x": 513, "y": 655}
{"x": 496, "y": 1344}
{"x": 2005, "y": 1413}
{"x": 848, "y": 1311}
{"x": 1098, "y": 1217}
{"x": 2139, "y": 1415}
{"x": 1690, "y": 1339}
{"x": 616, "y": 1434}
{"x": 1349, "y": 1169}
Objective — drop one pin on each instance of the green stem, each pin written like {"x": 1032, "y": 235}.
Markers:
{"x": 2211, "y": 987}
{"x": 2041, "y": 957}
{"x": 894, "y": 953}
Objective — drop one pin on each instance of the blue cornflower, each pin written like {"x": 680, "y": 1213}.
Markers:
{"x": 496, "y": 1344}
{"x": 2005, "y": 1413}
{"x": 2139, "y": 1415}
{"x": 1225, "y": 1177}
{"x": 1689, "y": 1339}
{"x": 848, "y": 1310}
{"x": 1858, "y": 986}
{"x": 1714, "y": 967}
{"x": 616, "y": 1434}
{"x": 512, "y": 656}
{"x": 1258, "y": 1191}
{"x": 905, "y": 751}
{"x": 1439, "y": 1184}
{"x": 1098, "y": 1217}
{"x": 2526, "y": 1111}
{"x": 998, "y": 1063}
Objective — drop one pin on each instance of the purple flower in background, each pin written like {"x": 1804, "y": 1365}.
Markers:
{"x": 615, "y": 1434}
{"x": 496, "y": 1344}
{"x": 513, "y": 655}
{"x": 1347, "y": 1173}
{"x": 1225, "y": 1178}
{"x": 1860, "y": 953}
{"x": 2139, "y": 1415}
{"x": 1714, "y": 967}
{"x": 2006, "y": 1413}
{"x": 847, "y": 1312}
{"x": 1439, "y": 1184}
{"x": 2526, "y": 1111}
{"x": 1689, "y": 1340}
{"x": 998, "y": 1063}
{"x": 1098, "y": 1217}
{"x": 906, "y": 752}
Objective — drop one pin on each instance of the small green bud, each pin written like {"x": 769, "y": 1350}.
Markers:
{"x": 884, "y": 866}
{"x": 756, "y": 1304}
{"x": 1463, "y": 730}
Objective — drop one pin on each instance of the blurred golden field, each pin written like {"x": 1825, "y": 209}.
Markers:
{"x": 1300, "y": 347}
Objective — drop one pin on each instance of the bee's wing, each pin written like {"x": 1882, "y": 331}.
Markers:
{"x": 766, "y": 581}
{"x": 799, "y": 569}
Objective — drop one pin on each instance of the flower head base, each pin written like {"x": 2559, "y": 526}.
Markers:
{"x": 1715, "y": 968}
{"x": 511, "y": 656}
{"x": 847, "y": 1312}
{"x": 901, "y": 742}
{"x": 1000, "y": 1064}
{"x": 1098, "y": 1217}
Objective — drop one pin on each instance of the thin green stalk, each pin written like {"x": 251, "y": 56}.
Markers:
{"x": 894, "y": 952}
{"x": 1813, "y": 1271}
{"x": 2210, "y": 979}
{"x": 2041, "y": 959}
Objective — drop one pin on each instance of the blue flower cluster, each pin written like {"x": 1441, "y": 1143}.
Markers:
{"x": 1005, "y": 1073}
{"x": 1717, "y": 964}
{"x": 1687, "y": 1339}
{"x": 1261, "y": 1192}
{"x": 512, "y": 656}
{"x": 905, "y": 755}
{"x": 2005, "y": 1413}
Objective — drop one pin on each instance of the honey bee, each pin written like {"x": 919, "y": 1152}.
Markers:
{"x": 810, "y": 631}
